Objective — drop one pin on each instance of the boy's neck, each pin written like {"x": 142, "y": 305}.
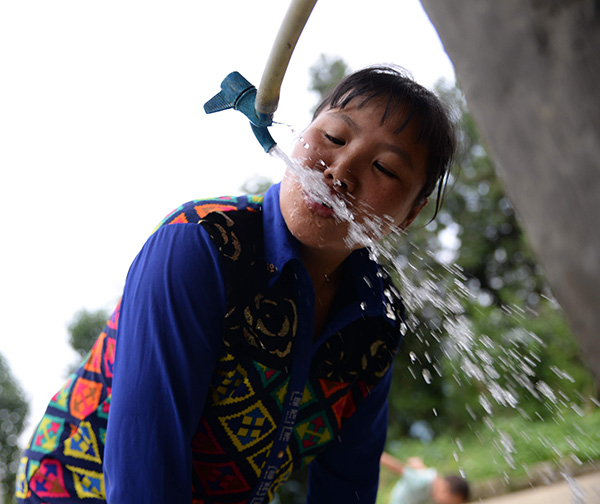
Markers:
{"x": 325, "y": 272}
{"x": 323, "y": 267}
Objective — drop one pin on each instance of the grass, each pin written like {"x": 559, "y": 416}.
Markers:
{"x": 507, "y": 448}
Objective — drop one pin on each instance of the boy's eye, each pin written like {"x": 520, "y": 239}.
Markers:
{"x": 384, "y": 170}
{"x": 336, "y": 141}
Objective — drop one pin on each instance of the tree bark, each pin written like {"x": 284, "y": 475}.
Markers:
{"x": 530, "y": 70}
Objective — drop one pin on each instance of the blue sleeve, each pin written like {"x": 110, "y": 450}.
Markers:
{"x": 168, "y": 342}
{"x": 348, "y": 470}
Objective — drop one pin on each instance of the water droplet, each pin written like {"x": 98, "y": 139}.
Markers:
{"x": 427, "y": 376}
{"x": 413, "y": 356}
{"x": 435, "y": 412}
{"x": 306, "y": 145}
{"x": 363, "y": 306}
{"x": 576, "y": 459}
{"x": 578, "y": 410}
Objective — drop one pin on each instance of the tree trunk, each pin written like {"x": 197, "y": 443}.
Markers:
{"x": 530, "y": 70}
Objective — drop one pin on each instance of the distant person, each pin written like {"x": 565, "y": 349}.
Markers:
{"x": 420, "y": 484}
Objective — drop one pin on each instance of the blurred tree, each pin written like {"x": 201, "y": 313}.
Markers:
{"x": 257, "y": 184}
{"x": 521, "y": 351}
{"x": 85, "y": 327}
{"x": 13, "y": 411}
{"x": 325, "y": 73}
{"x": 539, "y": 109}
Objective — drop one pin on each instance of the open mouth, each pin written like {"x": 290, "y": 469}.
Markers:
{"x": 319, "y": 207}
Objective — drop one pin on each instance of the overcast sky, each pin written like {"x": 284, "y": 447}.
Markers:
{"x": 102, "y": 133}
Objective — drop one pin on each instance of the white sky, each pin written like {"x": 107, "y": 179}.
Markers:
{"x": 102, "y": 133}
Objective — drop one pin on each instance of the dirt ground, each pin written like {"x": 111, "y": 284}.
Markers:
{"x": 585, "y": 490}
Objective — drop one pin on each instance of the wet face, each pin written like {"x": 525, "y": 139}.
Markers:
{"x": 376, "y": 170}
{"x": 442, "y": 494}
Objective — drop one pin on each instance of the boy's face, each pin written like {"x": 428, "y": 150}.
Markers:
{"x": 375, "y": 170}
{"x": 442, "y": 494}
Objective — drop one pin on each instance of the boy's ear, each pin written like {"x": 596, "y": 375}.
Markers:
{"x": 418, "y": 205}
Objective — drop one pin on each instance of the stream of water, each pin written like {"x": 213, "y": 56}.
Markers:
{"x": 504, "y": 375}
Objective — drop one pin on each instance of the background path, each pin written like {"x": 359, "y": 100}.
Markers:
{"x": 585, "y": 491}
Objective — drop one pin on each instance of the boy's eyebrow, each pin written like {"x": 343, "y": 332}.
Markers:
{"x": 401, "y": 152}
{"x": 348, "y": 120}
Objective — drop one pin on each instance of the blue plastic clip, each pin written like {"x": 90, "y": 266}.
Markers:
{"x": 237, "y": 93}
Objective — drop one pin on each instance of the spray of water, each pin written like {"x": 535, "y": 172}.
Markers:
{"x": 502, "y": 378}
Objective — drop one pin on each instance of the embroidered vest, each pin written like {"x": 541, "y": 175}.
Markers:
{"x": 270, "y": 409}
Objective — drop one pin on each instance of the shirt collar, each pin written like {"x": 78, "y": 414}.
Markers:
{"x": 281, "y": 248}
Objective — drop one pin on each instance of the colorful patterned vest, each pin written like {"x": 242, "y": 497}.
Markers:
{"x": 270, "y": 408}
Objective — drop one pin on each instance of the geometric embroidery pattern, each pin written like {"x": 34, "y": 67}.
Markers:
{"x": 88, "y": 484}
{"x": 180, "y": 219}
{"x": 248, "y": 427}
{"x": 330, "y": 387}
{"x": 205, "y": 441}
{"x": 258, "y": 460}
{"x": 48, "y": 480}
{"x": 218, "y": 479}
{"x": 21, "y": 487}
{"x": 113, "y": 322}
{"x": 343, "y": 408}
{"x": 85, "y": 398}
{"x": 234, "y": 387}
{"x": 83, "y": 444}
{"x": 32, "y": 467}
{"x": 47, "y": 435}
{"x": 308, "y": 396}
{"x": 94, "y": 359}
{"x": 266, "y": 374}
{"x": 313, "y": 432}
{"x": 104, "y": 407}
{"x": 281, "y": 393}
{"x": 109, "y": 357}
{"x": 204, "y": 210}
{"x": 61, "y": 398}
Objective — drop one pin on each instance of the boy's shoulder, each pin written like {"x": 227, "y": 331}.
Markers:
{"x": 194, "y": 211}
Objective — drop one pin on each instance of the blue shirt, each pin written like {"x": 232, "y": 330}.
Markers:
{"x": 169, "y": 343}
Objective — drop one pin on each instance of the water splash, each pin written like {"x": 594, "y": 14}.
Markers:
{"x": 503, "y": 374}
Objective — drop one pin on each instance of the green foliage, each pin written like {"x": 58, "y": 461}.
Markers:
{"x": 85, "y": 327}
{"x": 487, "y": 349}
{"x": 326, "y": 73}
{"x": 256, "y": 185}
{"x": 13, "y": 411}
{"x": 506, "y": 447}
{"x": 522, "y": 359}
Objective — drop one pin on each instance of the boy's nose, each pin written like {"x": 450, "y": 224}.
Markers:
{"x": 341, "y": 175}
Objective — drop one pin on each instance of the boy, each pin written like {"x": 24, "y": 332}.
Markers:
{"x": 253, "y": 338}
{"x": 422, "y": 485}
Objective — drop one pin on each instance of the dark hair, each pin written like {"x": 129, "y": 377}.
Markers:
{"x": 394, "y": 85}
{"x": 458, "y": 486}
